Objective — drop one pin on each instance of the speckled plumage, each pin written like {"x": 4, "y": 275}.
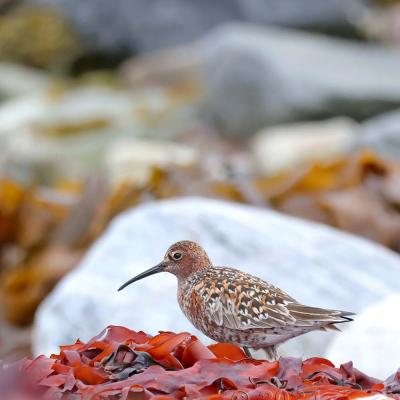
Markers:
{"x": 232, "y": 306}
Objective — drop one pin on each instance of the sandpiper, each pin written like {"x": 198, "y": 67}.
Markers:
{"x": 232, "y": 306}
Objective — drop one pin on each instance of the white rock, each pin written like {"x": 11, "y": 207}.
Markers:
{"x": 286, "y": 146}
{"x": 314, "y": 263}
{"x": 68, "y": 134}
{"x": 372, "y": 339}
{"x": 121, "y": 109}
{"x": 133, "y": 159}
{"x": 17, "y": 79}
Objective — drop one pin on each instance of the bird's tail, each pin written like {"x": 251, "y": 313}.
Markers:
{"x": 314, "y": 315}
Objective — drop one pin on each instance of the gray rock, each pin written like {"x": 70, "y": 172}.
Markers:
{"x": 382, "y": 134}
{"x": 372, "y": 340}
{"x": 314, "y": 263}
{"x": 262, "y": 76}
{"x": 137, "y": 25}
{"x": 255, "y": 77}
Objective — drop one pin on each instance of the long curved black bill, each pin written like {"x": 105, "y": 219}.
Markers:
{"x": 155, "y": 270}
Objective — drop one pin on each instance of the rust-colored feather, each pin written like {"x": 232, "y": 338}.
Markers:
{"x": 230, "y": 300}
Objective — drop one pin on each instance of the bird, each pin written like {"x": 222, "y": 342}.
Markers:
{"x": 232, "y": 306}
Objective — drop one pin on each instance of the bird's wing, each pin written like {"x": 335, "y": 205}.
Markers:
{"x": 238, "y": 300}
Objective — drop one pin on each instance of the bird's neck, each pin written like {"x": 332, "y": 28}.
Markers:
{"x": 186, "y": 286}
{"x": 191, "y": 276}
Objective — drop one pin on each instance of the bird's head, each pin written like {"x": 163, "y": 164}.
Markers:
{"x": 182, "y": 259}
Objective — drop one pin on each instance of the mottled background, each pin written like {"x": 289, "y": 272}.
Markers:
{"x": 120, "y": 107}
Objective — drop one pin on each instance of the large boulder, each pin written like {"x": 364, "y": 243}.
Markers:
{"x": 314, "y": 263}
{"x": 260, "y": 76}
{"x": 257, "y": 76}
{"x": 373, "y": 339}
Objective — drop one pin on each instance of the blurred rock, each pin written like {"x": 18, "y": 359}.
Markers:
{"x": 258, "y": 76}
{"x": 67, "y": 131}
{"x": 38, "y": 36}
{"x": 382, "y": 22}
{"x": 286, "y": 146}
{"x": 372, "y": 339}
{"x": 255, "y": 77}
{"x": 135, "y": 159}
{"x": 143, "y": 25}
{"x": 19, "y": 80}
{"x": 382, "y": 134}
{"x": 326, "y": 268}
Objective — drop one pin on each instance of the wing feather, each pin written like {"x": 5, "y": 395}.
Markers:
{"x": 241, "y": 301}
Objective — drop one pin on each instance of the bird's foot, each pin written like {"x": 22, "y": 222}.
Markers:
{"x": 281, "y": 384}
{"x": 271, "y": 353}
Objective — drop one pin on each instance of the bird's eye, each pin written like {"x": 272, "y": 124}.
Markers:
{"x": 177, "y": 255}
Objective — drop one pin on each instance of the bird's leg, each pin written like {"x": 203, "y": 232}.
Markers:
{"x": 271, "y": 353}
{"x": 247, "y": 352}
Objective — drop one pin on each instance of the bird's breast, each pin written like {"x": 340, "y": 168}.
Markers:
{"x": 193, "y": 305}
